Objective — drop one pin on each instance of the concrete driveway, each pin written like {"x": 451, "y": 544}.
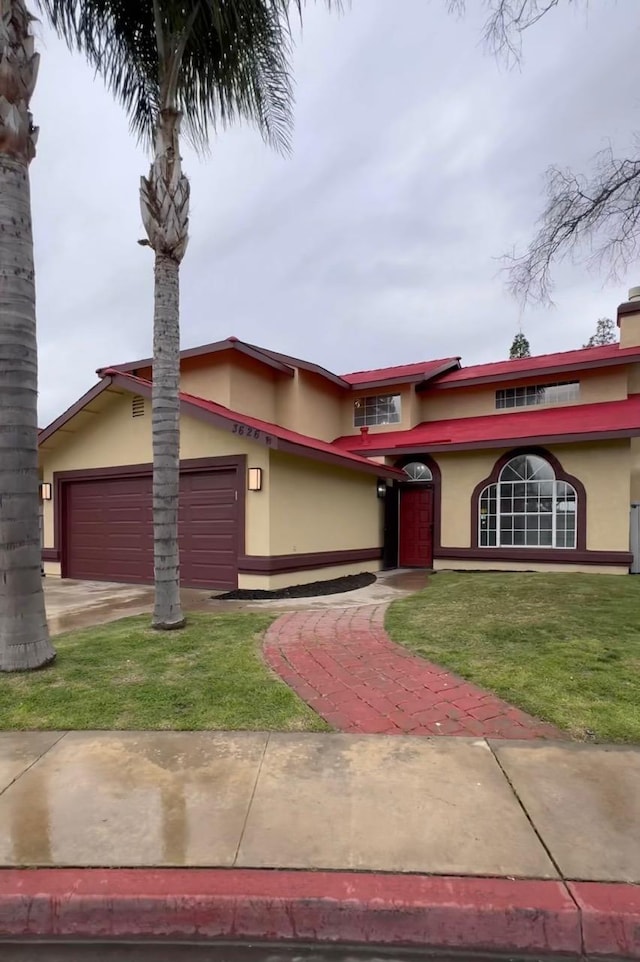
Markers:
{"x": 80, "y": 604}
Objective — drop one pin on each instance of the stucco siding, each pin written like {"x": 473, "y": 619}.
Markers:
{"x": 317, "y": 409}
{"x": 272, "y": 582}
{"x": 317, "y": 507}
{"x": 201, "y": 377}
{"x": 609, "y": 384}
{"x": 464, "y": 564}
{"x": 604, "y": 469}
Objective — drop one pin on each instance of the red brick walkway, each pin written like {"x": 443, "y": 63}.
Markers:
{"x": 344, "y": 665}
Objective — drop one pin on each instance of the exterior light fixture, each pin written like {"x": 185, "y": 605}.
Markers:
{"x": 255, "y": 479}
{"x": 381, "y": 488}
{"x": 45, "y": 491}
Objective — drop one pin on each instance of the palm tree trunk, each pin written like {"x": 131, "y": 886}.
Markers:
{"x": 164, "y": 201}
{"x": 165, "y": 406}
{"x": 24, "y": 638}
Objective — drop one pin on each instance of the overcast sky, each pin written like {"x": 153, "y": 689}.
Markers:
{"x": 418, "y": 160}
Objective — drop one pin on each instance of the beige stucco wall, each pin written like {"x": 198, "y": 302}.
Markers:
{"x": 470, "y": 565}
{"x": 605, "y": 471}
{"x": 199, "y": 376}
{"x": 603, "y": 468}
{"x": 630, "y": 329}
{"x": 606, "y": 384}
{"x": 115, "y": 438}
{"x": 409, "y": 409}
{"x": 253, "y": 389}
{"x": 460, "y": 474}
{"x": 269, "y": 582}
{"x": 318, "y": 507}
{"x": 309, "y": 404}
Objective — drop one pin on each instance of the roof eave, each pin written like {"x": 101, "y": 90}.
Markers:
{"x": 438, "y": 447}
{"x": 276, "y": 444}
{"x": 76, "y": 408}
{"x": 531, "y": 372}
{"x": 229, "y": 344}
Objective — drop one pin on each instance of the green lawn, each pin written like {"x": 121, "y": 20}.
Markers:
{"x": 565, "y": 647}
{"x": 125, "y": 675}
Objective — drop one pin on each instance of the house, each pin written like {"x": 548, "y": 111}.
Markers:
{"x": 292, "y": 473}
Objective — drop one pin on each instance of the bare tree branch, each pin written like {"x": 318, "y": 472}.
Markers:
{"x": 507, "y": 20}
{"x": 594, "y": 218}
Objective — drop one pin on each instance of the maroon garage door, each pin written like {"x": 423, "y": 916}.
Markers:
{"x": 109, "y": 536}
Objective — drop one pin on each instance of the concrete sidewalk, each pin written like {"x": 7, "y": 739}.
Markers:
{"x": 449, "y": 807}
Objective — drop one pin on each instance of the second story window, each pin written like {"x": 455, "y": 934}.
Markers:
{"x": 519, "y": 397}
{"x": 376, "y": 409}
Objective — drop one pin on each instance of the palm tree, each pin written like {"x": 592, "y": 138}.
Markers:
{"x": 200, "y": 63}
{"x": 24, "y": 638}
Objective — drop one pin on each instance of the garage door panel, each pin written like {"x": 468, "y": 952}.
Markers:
{"x": 109, "y": 529}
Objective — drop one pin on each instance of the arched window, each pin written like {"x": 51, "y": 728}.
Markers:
{"x": 417, "y": 471}
{"x": 527, "y": 507}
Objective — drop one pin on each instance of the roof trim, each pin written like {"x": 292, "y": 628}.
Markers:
{"x": 418, "y": 379}
{"x": 531, "y": 372}
{"x": 189, "y": 405}
{"x": 71, "y": 412}
{"x": 304, "y": 366}
{"x": 229, "y": 344}
{"x": 498, "y": 442}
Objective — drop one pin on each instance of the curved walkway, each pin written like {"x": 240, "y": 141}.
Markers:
{"x": 344, "y": 665}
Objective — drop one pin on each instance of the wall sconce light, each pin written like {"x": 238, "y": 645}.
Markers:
{"x": 381, "y": 488}
{"x": 45, "y": 491}
{"x": 255, "y": 479}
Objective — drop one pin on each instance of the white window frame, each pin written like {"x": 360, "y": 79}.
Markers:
{"x": 560, "y": 491}
{"x": 373, "y": 400}
{"x": 536, "y": 395}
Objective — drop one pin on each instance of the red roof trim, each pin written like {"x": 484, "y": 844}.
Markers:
{"x": 229, "y": 344}
{"x": 584, "y": 359}
{"x": 401, "y": 373}
{"x": 439, "y": 447}
{"x": 605, "y": 420}
{"x": 272, "y": 435}
{"x": 424, "y": 377}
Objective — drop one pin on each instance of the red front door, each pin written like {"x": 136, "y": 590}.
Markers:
{"x": 416, "y": 527}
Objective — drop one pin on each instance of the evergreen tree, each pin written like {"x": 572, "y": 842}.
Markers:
{"x": 605, "y": 333}
{"x": 520, "y": 347}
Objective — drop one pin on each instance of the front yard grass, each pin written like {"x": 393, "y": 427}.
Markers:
{"x": 564, "y": 647}
{"x": 125, "y": 675}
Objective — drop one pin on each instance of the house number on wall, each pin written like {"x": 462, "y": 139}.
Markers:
{"x": 244, "y": 431}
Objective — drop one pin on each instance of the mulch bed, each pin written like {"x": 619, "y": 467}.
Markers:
{"x": 310, "y": 590}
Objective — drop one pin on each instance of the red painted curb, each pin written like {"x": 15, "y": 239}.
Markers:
{"x": 610, "y": 918}
{"x": 499, "y": 915}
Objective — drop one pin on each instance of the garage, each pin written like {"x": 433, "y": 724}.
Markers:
{"x": 108, "y": 525}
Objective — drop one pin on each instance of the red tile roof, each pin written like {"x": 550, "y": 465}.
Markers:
{"x": 401, "y": 372}
{"x": 577, "y": 422}
{"x": 272, "y": 435}
{"x": 582, "y": 359}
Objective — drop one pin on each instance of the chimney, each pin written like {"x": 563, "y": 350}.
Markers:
{"x": 629, "y": 319}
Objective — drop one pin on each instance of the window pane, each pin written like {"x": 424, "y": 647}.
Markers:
{"x": 377, "y": 409}
{"x": 417, "y": 471}
{"x": 528, "y": 395}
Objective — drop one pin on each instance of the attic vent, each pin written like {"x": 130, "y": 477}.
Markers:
{"x": 137, "y": 407}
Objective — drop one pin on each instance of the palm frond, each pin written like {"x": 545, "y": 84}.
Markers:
{"x": 217, "y": 61}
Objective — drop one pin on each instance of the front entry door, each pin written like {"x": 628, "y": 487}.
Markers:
{"x": 416, "y": 527}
